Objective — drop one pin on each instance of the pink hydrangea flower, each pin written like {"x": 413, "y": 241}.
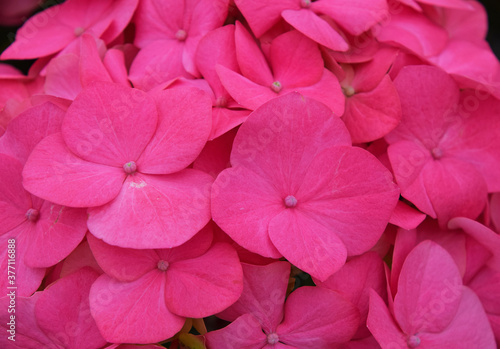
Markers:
{"x": 279, "y": 198}
{"x": 124, "y": 153}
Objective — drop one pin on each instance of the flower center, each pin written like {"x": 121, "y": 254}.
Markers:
{"x": 163, "y": 265}
{"x": 276, "y": 86}
{"x": 437, "y": 153}
{"x": 130, "y": 167}
{"x": 272, "y": 338}
{"x": 348, "y": 91}
{"x": 78, "y": 31}
{"x": 305, "y": 3}
{"x": 181, "y": 35}
{"x": 413, "y": 341}
{"x": 32, "y": 215}
{"x": 290, "y": 201}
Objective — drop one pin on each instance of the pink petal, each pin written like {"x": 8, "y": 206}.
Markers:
{"x": 296, "y": 60}
{"x": 247, "y": 93}
{"x": 154, "y": 211}
{"x": 456, "y": 4}
{"x": 29, "y": 128}
{"x": 63, "y": 313}
{"x": 91, "y": 65}
{"x": 193, "y": 248}
{"x": 243, "y": 333}
{"x": 406, "y": 217}
{"x": 239, "y": 195}
{"x": 101, "y": 124}
{"x": 354, "y": 16}
{"x": 317, "y": 318}
{"x": 115, "y": 64}
{"x": 327, "y": 91}
{"x": 355, "y": 280}
{"x": 80, "y": 257}
{"x": 192, "y": 290}
{"x": 454, "y": 188}
{"x": 382, "y": 325}
{"x": 470, "y": 315}
{"x": 347, "y": 200}
{"x": 14, "y": 200}
{"x": 54, "y": 173}
{"x": 224, "y": 120}
{"x": 264, "y": 291}
{"x": 214, "y": 157}
{"x": 429, "y": 290}
{"x": 122, "y": 264}
{"x": 312, "y": 26}
{"x": 251, "y": 60}
{"x": 372, "y": 115}
{"x": 27, "y": 332}
{"x": 415, "y": 32}
{"x": 262, "y": 15}
{"x": 133, "y": 312}
{"x": 184, "y": 124}
{"x": 307, "y": 243}
{"x": 63, "y": 78}
{"x": 58, "y": 231}
{"x": 157, "y": 63}
{"x": 27, "y": 280}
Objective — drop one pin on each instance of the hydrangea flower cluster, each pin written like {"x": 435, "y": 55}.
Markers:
{"x": 247, "y": 174}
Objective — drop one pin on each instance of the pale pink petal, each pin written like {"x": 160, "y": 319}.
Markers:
{"x": 133, "y": 312}
{"x": 429, "y": 280}
{"x": 264, "y": 291}
{"x": 154, "y": 211}
{"x": 243, "y": 333}
{"x": 109, "y": 124}
{"x": 63, "y": 78}
{"x": 63, "y": 313}
{"x": 193, "y": 290}
{"x": 317, "y": 318}
{"x": 54, "y": 173}
{"x": 312, "y": 26}
{"x": 184, "y": 124}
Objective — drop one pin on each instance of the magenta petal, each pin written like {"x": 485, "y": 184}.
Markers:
{"x": 154, "y": 211}
{"x": 264, "y": 291}
{"x": 224, "y": 119}
{"x": 455, "y": 188}
{"x": 382, "y": 325}
{"x": 470, "y": 315}
{"x": 14, "y": 200}
{"x": 28, "y": 333}
{"x": 428, "y": 276}
{"x": 246, "y": 92}
{"x": 184, "y": 124}
{"x": 29, "y": 128}
{"x": 123, "y": 264}
{"x": 307, "y": 244}
{"x": 133, "y": 312}
{"x": 317, "y": 318}
{"x": 91, "y": 66}
{"x": 296, "y": 60}
{"x": 109, "y": 124}
{"x": 406, "y": 217}
{"x": 58, "y": 231}
{"x": 192, "y": 290}
{"x": 312, "y": 26}
{"x": 239, "y": 195}
{"x": 372, "y": 115}
{"x": 243, "y": 333}
{"x": 64, "y": 307}
{"x": 54, "y": 173}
